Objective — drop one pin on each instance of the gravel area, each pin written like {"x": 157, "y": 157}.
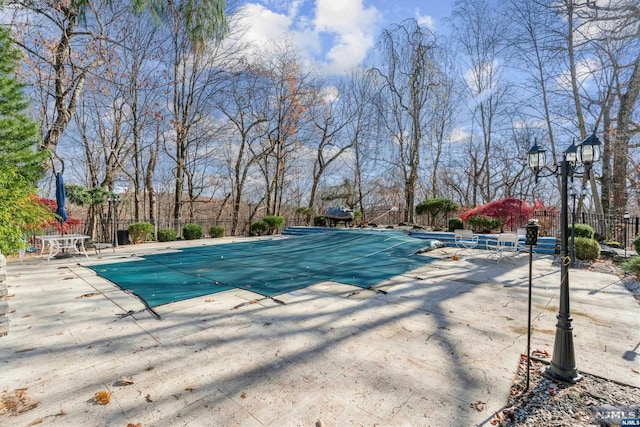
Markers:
{"x": 591, "y": 401}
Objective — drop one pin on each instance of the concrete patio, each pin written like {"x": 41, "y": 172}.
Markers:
{"x": 436, "y": 341}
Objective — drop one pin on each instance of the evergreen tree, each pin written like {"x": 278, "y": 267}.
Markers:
{"x": 21, "y": 164}
{"x": 18, "y": 133}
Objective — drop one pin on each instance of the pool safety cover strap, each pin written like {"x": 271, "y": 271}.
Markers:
{"x": 268, "y": 267}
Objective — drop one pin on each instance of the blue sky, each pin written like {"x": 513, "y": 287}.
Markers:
{"x": 337, "y": 34}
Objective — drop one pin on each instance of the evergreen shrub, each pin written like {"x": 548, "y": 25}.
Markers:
{"x": 216, "y": 231}
{"x": 192, "y": 232}
{"x": 583, "y": 230}
{"x": 167, "y": 235}
{"x": 484, "y": 224}
{"x": 140, "y": 232}
{"x": 259, "y": 228}
{"x": 274, "y": 222}
{"x": 587, "y": 249}
{"x": 632, "y": 265}
{"x": 455, "y": 224}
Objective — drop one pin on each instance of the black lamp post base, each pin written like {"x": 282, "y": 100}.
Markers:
{"x": 558, "y": 374}
{"x": 563, "y": 363}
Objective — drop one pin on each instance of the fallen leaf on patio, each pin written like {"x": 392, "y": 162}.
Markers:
{"x": 320, "y": 423}
{"x": 35, "y": 422}
{"x": 455, "y": 258}
{"x": 123, "y": 382}
{"x": 254, "y": 301}
{"x": 26, "y": 315}
{"x": 497, "y": 418}
{"x": 102, "y": 397}
{"x": 134, "y": 425}
{"x": 478, "y": 405}
{"x": 148, "y": 398}
{"x": 16, "y": 402}
{"x": 244, "y": 395}
{"x": 89, "y": 295}
{"x": 540, "y": 353}
{"x": 209, "y": 300}
{"x": 191, "y": 389}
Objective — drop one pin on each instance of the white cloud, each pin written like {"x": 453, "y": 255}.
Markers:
{"x": 351, "y": 26}
{"x": 261, "y": 24}
{"x": 337, "y": 35}
{"x": 425, "y": 20}
{"x": 460, "y": 134}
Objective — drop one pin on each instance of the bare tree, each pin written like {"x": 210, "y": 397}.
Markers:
{"x": 408, "y": 77}
{"x": 60, "y": 55}
{"x": 329, "y": 115}
{"x": 287, "y": 90}
{"x": 194, "y": 75}
{"x": 240, "y": 103}
{"x": 482, "y": 46}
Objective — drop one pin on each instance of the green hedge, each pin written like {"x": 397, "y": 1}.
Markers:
{"x": 216, "y": 231}
{"x": 192, "y": 232}
{"x": 582, "y": 230}
{"x": 636, "y": 244}
{"x": 140, "y": 232}
{"x": 587, "y": 249}
{"x": 632, "y": 265}
{"x": 485, "y": 224}
{"x": 274, "y": 222}
{"x": 455, "y": 224}
{"x": 259, "y": 228}
{"x": 167, "y": 235}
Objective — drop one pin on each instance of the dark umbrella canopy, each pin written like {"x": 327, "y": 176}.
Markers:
{"x": 60, "y": 199}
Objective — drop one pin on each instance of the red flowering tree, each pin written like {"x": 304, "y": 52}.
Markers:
{"x": 512, "y": 211}
{"x": 55, "y": 222}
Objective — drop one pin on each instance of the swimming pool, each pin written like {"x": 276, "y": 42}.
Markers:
{"x": 269, "y": 267}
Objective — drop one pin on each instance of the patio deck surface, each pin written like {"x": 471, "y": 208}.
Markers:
{"x": 439, "y": 338}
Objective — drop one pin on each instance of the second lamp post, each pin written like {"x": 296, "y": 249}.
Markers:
{"x": 563, "y": 364}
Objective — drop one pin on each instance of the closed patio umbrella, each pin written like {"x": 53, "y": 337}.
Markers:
{"x": 61, "y": 211}
{"x": 60, "y": 201}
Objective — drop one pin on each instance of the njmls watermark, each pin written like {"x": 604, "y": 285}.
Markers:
{"x": 616, "y": 415}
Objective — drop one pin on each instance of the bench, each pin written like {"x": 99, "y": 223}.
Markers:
{"x": 100, "y": 246}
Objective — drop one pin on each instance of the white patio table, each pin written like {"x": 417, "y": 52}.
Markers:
{"x": 59, "y": 242}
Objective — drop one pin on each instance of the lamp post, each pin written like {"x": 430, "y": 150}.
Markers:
{"x": 563, "y": 364}
{"x": 570, "y": 155}
{"x": 626, "y": 226}
{"x": 114, "y": 199}
{"x": 531, "y": 239}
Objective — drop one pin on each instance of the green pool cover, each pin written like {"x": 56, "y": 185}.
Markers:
{"x": 268, "y": 267}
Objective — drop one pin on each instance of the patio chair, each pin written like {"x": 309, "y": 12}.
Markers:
{"x": 505, "y": 246}
{"x": 465, "y": 239}
{"x": 522, "y": 235}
